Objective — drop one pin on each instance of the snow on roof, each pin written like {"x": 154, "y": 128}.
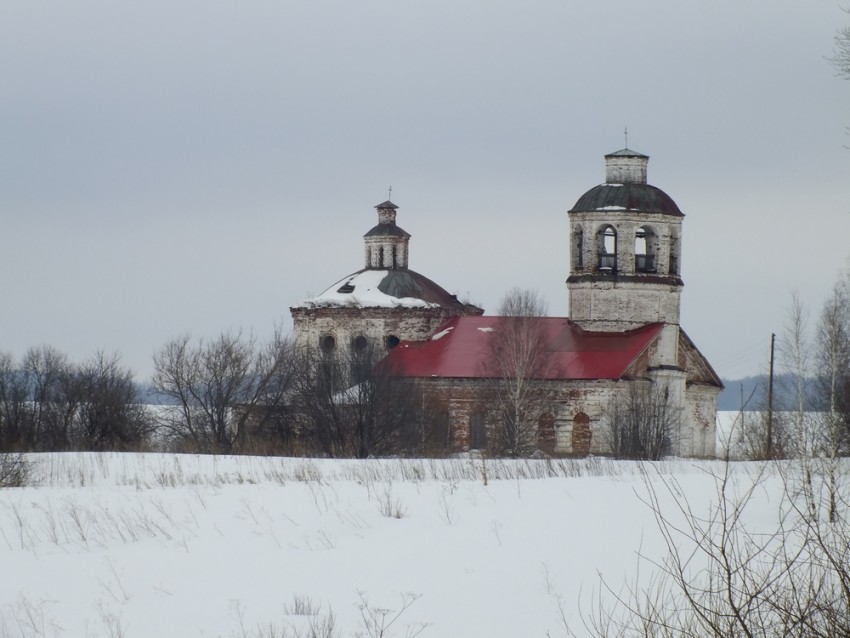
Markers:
{"x": 360, "y": 290}
{"x": 442, "y": 333}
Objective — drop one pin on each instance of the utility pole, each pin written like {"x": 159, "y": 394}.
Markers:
{"x": 770, "y": 400}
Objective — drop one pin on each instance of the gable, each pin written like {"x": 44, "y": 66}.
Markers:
{"x": 696, "y": 366}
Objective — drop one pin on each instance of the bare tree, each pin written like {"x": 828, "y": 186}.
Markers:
{"x": 348, "y": 406}
{"x": 38, "y": 400}
{"x": 48, "y": 376}
{"x": 110, "y": 413}
{"x": 14, "y": 405}
{"x": 841, "y": 54}
{"x": 794, "y": 350}
{"x": 642, "y": 420}
{"x": 518, "y": 364}
{"x": 832, "y": 358}
{"x": 222, "y": 388}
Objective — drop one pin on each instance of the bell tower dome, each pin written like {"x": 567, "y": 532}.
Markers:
{"x": 625, "y": 245}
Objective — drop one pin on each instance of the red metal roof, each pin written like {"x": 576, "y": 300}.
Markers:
{"x": 462, "y": 348}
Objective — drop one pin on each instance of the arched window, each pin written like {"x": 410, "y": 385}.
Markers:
{"x": 546, "y": 433}
{"x": 477, "y": 432}
{"x": 581, "y": 435}
{"x": 380, "y": 256}
{"x": 436, "y": 436}
{"x": 606, "y": 238}
{"x": 645, "y": 243}
{"x": 327, "y": 343}
{"x": 391, "y": 341}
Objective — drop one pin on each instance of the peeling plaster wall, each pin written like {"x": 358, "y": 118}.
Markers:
{"x": 701, "y": 420}
{"x": 376, "y": 324}
{"x": 464, "y": 398}
{"x": 615, "y": 304}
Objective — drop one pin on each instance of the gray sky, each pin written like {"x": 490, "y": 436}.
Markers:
{"x": 193, "y": 166}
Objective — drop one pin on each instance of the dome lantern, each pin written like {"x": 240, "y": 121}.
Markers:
{"x": 625, "y": 167}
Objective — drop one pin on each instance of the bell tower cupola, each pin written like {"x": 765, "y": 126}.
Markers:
{"x": 386, "y": 245}
{"x": 625, "y": 167}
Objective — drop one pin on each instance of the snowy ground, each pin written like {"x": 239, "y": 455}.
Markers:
{"x": 179, "y": 545}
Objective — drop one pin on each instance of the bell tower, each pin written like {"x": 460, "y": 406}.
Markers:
{"x": 625, "y": 245}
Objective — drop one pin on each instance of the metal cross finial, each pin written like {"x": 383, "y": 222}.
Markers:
{"x": 627, "y": 136}
{"x": 391, "y": 193}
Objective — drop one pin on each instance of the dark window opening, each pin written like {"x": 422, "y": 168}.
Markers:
{"x": 582, "y": 435}
{"x": 607, "y": 247}
{"x": 477, "y": 432}
{"x": 392, "y": 341}
{"x": 346, "y": 288}
{"x": 645, "y": 250}
{"x": 546, "y": 433}
{"x": 360, "y": 343}
{"x": 327, "y": 343}
{"x": 578, "y": 247}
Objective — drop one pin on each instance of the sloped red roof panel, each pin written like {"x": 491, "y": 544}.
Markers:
{"x": 463, "y": 348}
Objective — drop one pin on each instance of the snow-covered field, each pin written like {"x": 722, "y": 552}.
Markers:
{"x": 177, "y": 545}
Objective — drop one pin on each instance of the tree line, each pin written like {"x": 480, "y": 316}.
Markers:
{"x": 229, "y": 394}
{"x": 48, "y": 403}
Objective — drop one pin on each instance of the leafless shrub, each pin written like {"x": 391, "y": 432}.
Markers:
{"x": 721, "y": 577}
{"x": 14, "y": 469}
{"x": 378, "y": 621}
{"x": 301, "y": 605}
{"x": 642, "y": 421}
{"x": 389, "y": 505}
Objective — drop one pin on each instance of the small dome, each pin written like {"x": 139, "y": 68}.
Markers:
{"x": 627, "y": 197}
{"x": 387, "y": 230}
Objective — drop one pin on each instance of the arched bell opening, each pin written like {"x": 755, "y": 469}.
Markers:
{"x": 646, "y": 245}
{"x": 606, "y": 242}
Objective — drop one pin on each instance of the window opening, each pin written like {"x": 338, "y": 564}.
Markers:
{"x": 578, "y": 248}
{"x": 581, "y": 435}
{"x": 644, "y": 250}
{"x": 328, "y": 343}
{"x": 477, "y": 432}
{"x": 607, "y": 248}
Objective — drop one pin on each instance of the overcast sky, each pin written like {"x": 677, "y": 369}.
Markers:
{"x": 192, "y": 166}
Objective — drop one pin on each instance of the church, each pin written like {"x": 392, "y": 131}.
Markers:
{"x": 624, "y": 288}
